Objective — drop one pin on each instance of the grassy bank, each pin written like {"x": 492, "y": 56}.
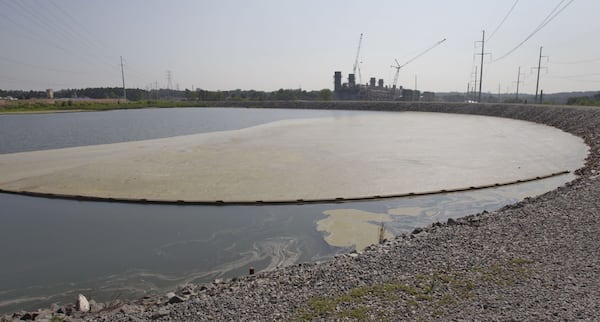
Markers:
{"x": 73, "y": 106}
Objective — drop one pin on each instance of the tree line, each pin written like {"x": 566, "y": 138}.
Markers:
{"x": 593, "y": 100}
{"x": 136, "y": 94}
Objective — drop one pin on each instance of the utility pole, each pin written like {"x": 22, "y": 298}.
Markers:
{"x": 499, "y": 92}
{"x": 468, "y": 90}
{"x": 475, "y": 86}
{"x": 537, "y": 85}
{"x": 481, "y": 69}
{"x": 518, "y": 82}
{"x": 123, "y": 77}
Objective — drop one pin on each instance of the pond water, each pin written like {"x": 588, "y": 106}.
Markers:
{"x": 54, "y": 249}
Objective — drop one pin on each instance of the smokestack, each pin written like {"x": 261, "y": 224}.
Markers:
{"x": 337, "y": 81}
{"x": 351, "y": 81}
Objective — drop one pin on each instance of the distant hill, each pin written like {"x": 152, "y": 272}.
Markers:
{"x": 553, "y": 98}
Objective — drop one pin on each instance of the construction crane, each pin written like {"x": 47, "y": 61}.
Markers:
{"x": 359, "y": 73}
{"x": 356, "y": 61}
{"x": 398, "y": 66}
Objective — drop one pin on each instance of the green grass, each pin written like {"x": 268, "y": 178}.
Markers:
{"x": 68, "y": 105}
{"x": 437, "y": 291}
{"x": 506, "y": 275}
{"x": 358, "y": 313}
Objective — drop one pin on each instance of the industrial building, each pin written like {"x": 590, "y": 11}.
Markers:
{"x": 374, "y": 90}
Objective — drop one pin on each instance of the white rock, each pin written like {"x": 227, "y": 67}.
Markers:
{"x": 82, "y": 304}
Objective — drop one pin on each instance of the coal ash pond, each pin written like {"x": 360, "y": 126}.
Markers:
{"x": 58, "y": 248}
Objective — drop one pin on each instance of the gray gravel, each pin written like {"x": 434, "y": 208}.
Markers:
{"x": 536, "y": 260}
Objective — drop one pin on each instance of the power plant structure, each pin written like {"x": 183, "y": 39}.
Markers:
{"x": 375, "y": 89}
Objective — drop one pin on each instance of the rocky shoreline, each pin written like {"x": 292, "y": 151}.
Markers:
{"x": 536, "y": 260}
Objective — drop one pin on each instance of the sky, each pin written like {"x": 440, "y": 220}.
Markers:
{"x": 272, "y": 44}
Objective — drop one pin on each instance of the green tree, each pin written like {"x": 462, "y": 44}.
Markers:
{"x": 325, "y": 94}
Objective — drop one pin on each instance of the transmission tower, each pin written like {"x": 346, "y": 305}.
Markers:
{"x": 169, "y": 79}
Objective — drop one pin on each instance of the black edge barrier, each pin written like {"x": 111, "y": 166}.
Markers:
{"x": 270, "y": 202}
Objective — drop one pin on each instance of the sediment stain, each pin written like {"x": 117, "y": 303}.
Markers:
{"x": 352, "y": 227}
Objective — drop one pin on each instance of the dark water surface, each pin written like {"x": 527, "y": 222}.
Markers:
{"x": 32, "y": 132}
{"x": 52, "y": 250}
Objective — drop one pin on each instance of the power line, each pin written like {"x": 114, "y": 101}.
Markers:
{"x": 28, "y": 33}
{"x": 553, "y": 14}
{"x": 76, "y": 22}
{"x": 13, "y": 61}
{"x": 34, "y": 35}
{"x": 46, "y": 19}
{"x": 41, "y": 20}
{"x": 65, "y": 32}
{"x": 503, "y": 20}
{"x": 76, "y": 33}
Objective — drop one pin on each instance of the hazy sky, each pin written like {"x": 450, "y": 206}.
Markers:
{"x": 272, "y": 44}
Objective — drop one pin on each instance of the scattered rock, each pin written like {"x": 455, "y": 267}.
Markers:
{"x": 82, "y": 304}
{"x": 28, "y": 316}
{"x": 159, "y": 314}
{"x": 131, "y": 309}
{"x": 96, "y": 307}
{"x": 174, "y": 298}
